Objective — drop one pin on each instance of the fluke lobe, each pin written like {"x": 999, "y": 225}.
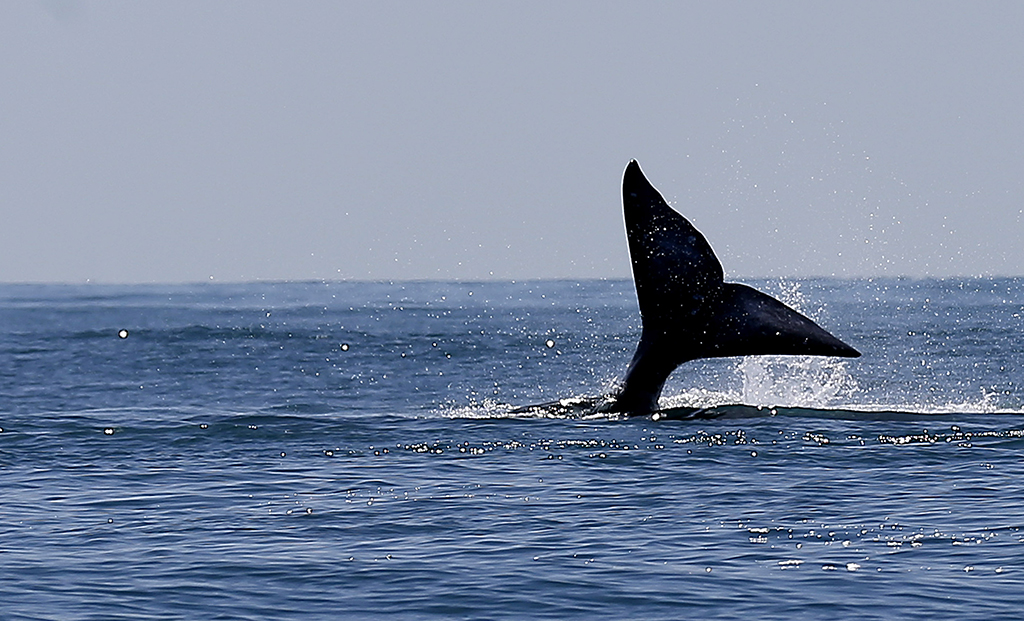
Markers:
{"x": 686, "y": 308}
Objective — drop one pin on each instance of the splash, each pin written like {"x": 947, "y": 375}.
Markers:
{"x": 987, "y": 402}
{"x": 699, "y": 398}
{"x": 794, "y": 381}
{"x": 487, "y": 408}
{"x": 580, "y": 407}
{"x": 789, "y": 293}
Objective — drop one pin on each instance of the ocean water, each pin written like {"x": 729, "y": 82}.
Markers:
{"x": 352, "y": 450}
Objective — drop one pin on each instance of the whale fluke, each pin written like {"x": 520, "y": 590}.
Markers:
{"x": 688, "y": 311}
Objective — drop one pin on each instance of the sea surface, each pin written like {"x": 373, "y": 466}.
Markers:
{"x": 330, "y": 450}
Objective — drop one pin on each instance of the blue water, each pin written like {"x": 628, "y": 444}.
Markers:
{"x": 350, "y": 450}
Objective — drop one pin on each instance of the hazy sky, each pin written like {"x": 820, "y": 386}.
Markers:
{"x": 179, "y": 141}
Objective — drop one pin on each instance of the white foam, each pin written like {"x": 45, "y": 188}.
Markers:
{"x": 794, "y": 381}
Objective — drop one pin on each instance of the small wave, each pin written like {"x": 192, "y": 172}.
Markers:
{"x": 736, "y": 411}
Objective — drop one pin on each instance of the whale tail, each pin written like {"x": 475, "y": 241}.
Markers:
{"x": 687, "y": 310}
